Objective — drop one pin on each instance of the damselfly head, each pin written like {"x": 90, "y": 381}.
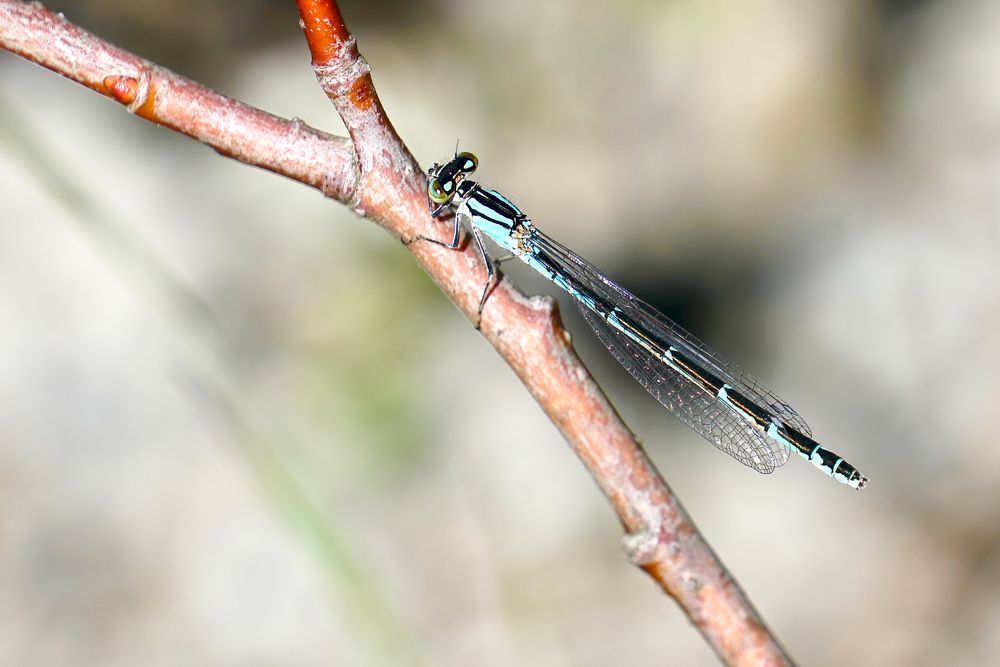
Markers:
{"x": 443, "y": 179}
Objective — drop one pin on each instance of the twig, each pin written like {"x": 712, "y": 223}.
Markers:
{"x": 237, "y": 130}
{"x": 376, "y": 175}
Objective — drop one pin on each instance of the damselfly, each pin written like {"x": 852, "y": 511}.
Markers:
{"x": 717, "y": 399}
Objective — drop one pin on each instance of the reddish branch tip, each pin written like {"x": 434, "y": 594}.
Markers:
{"x": 324, "y": 28}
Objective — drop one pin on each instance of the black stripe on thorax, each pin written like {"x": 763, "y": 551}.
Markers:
{"x": 494, "y": 208}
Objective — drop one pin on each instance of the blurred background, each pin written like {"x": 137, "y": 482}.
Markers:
{"x": 241, "y": 426}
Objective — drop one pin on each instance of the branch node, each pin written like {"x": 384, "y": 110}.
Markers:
{"x": 137, "y": 95}
{"x": 344, "y": 74}
{"x": 644, "y": 547}
{"x": 122, "y": 88}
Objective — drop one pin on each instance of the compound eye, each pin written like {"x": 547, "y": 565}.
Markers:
{"x": 469, "y": 162}
{"x": 436, "y": 193}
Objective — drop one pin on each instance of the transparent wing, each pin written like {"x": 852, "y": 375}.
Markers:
{"x": 700, "y": 410}
{"x": 661, "y": 328}
{"x": 664, "y": 329}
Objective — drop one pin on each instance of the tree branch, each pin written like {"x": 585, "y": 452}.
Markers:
{"x": 377, "y": 176}
{"x": 237, "y": 130}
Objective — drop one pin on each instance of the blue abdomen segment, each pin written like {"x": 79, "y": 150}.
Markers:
{"x": 821, "y": 457}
